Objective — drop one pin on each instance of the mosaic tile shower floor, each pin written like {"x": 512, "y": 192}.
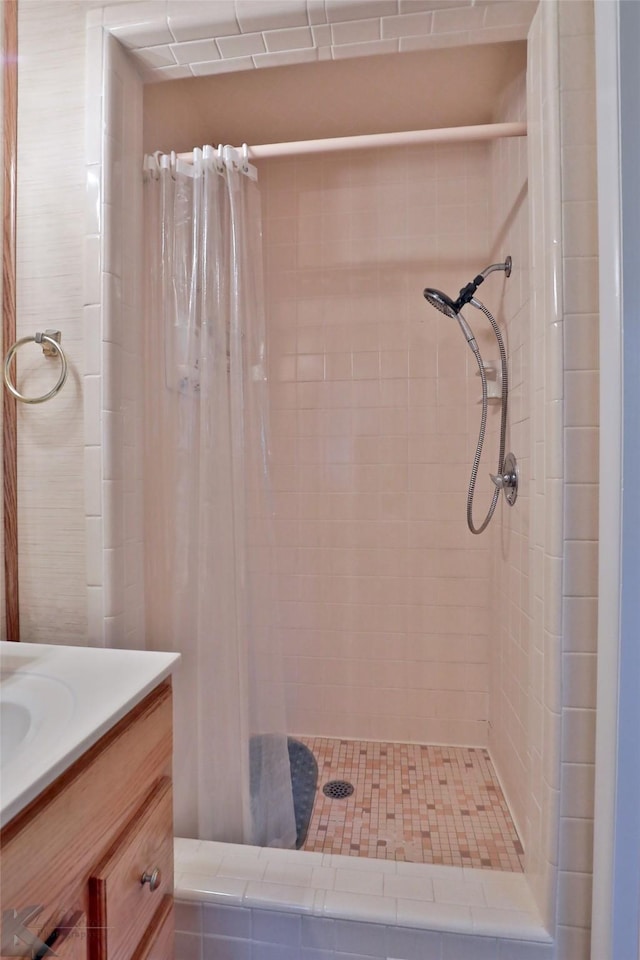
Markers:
{"x": 423, "y": 804}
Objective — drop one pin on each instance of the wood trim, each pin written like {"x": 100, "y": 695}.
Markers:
{"x": 9, "y": 412}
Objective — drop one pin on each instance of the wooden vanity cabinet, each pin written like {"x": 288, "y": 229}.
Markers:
{"x": 95, "y": 850}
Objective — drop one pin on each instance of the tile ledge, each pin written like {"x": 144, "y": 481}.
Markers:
{"x": 500, "y": 922}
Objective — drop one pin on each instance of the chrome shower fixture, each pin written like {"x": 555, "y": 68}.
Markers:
{"x": 507, "y": 481}
{"x": 506, "y": 478}
{"x": 452, "y": 308}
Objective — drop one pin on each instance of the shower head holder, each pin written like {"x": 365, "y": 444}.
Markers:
{"x": 466, "y": 294}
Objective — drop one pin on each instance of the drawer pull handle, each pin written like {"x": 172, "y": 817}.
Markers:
{"x": 153, "y": 878}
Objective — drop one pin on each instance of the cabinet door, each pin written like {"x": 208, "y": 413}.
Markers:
{"x": 128, "y": 886}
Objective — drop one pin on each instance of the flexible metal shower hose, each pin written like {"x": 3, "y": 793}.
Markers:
{"x": 483, "y": 425}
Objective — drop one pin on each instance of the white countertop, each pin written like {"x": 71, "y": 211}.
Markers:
{"x": 56, "y": 702}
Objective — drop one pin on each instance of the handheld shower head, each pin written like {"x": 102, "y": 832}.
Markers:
{"x": 445, "y": 305}
{"x": 440, "y": 301}
{"x": 452, "y": 308}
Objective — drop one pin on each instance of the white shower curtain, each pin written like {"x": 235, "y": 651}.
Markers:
{"x": 208, "y": 537}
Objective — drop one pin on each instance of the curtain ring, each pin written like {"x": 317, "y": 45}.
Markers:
{"x": 245, "y": 158}
{"x": 51, "y": 348}
{"x": 154, "y": 165}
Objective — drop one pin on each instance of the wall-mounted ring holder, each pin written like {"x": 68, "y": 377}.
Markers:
{"x": 51, "y": 348}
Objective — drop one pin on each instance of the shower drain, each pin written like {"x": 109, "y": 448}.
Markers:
{"x": 338, "y": 789}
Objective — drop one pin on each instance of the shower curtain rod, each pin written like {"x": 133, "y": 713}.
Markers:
{"x": 408, "y": 138}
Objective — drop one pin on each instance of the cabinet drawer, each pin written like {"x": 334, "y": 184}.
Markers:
{"x": 71, "y": 943}
{"x": 121, "y": 905}
{"x": 158, "y": 943}
{"x": 63, "y": 932}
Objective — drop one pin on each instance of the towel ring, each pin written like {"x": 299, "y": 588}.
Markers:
{"x": 51, "y": 348}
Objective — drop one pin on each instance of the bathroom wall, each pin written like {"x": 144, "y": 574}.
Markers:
{"x": 563, "y": 574}
{"x": 546, "y": 572}
{"x": 62, "y": 213}
{"x": 383, "y": 592}
{"x": 579, "y": 441}
{"x": 51, "y": 225}
{"x": 510, "y": 631}
{"x": 547, "y": 466}
{"x": 113, "y": 381}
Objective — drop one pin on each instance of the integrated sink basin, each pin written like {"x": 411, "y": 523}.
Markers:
{"x": 15, "y": 723}
{"x": 34, "y": 711}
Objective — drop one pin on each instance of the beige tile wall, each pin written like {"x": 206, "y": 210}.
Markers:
{"x": 580, "y": 520}
{"x": 565, "y": 429}
{"x": 114, "y": 372}
{"x": 383, "y": 591}
{"x": 510, "y": 666}
{"x": 51, "y": 227}
{"x": 547, "y": 466}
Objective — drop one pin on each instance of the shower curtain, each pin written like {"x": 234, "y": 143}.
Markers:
{"x": 208, "y": 519}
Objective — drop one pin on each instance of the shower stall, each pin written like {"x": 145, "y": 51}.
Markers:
{"x": 398, "y": 626}
{"x": 385, "y": 626}
{"x": 336, "y": 364}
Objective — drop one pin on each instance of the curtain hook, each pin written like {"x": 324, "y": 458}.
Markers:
{"x": 245, "y": 158}
{"x": 152, "y": 165}
{"x": 197, "y": 161}
{"x": 230, "y": 156}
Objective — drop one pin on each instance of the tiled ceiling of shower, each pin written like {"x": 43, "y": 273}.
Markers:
{"x": 174, "y": 39}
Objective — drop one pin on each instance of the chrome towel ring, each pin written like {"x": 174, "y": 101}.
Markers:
{"x": 50, "y": 340}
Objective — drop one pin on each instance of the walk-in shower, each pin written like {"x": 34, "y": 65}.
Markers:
{"x": 506, "y": 477}
{"x": 382, "y": 629}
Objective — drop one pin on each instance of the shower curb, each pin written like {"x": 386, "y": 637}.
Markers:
{"x": 447, "y": 900}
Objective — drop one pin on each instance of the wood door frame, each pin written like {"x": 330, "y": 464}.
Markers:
{"x": 9, "y": 411}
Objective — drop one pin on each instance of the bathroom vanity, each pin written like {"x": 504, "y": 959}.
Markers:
{"x": 87, "y": 835}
